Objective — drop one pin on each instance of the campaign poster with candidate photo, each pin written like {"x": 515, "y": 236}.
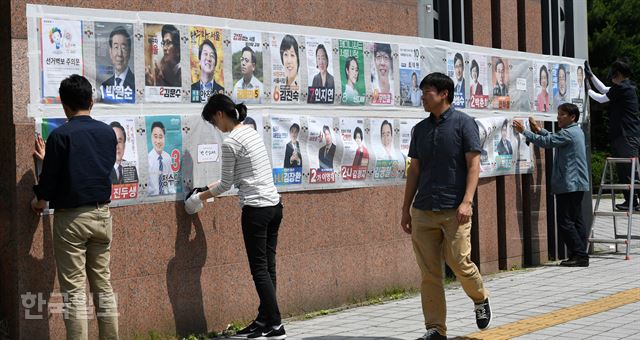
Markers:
{"x": 382, "y": 74}
{"x": 488, "y": 128}
{"x": 560, "y": 85}
{"x": 478, "y": 81}
{"x": 321, "y": 83}
{"x": 115, "y": 69}
{"x": 163, "y": 72}
{"x": 500, "y": 83}
{"x": 164, "y": 147}
{"x": 207, "y": 59}
{"x": 256, "y": 122}
{"x": 286, "y": 150}
{"x": 409, "y": 57}
{"x": 352, "y": 71}
{"x": 524, "y": 152}
{"x": 124, "y": 174}
{"x": 542, "y": 95}
{"x": 406, "y": 133}
{"x": 456, "y": 63}
{"x": 355, "y": 155}
{"x": 389, "y": 161}
{"x": 321, "y": 150}
{"x": 61, "y": 55}
{"x": 247, "y": 67}
{"x": 576, "y": 89}
{"x": 503, "y": 146}
{"x": 285, "y": 68}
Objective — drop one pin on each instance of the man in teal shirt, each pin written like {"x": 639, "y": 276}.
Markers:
{"x": 569, "y": 180}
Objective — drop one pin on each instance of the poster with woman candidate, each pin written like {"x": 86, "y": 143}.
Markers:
{"x": 389, "y": 161}
{"x": 321, "y": 83}
{"x": 61, "y": 54}
{"x": 542, "y": 98}
{"x": 163, "y": 72}
{"x": 406, "y": 132}
{"x": 124, "y": 175}
{"x": 352, "y": 72}
{"x": 500, "y": 83}
{"x": 479, "y": 82}
{"x": 247, "y": 67}
{"x": 286, "y": 60}
{"x": 382, "y": 73}
{"x": 286, "y": 150}
{"x": 455, "y": 70}
{"x": 576, "y": 89}
{"x": 355, "y": 155}
{"x": 164, "y": 147}
{"x": 207, "y": 60}
{"x": 322, "y": 150}
{"x": 560, "y": 84}
{"x": 115, "y": 69}
{"x": 409, "y": 57}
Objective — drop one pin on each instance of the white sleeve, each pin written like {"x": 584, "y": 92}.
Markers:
{"x": 599, "y": 85}
{"x": 600, "y": 98}
{"x": 228, "y": 166}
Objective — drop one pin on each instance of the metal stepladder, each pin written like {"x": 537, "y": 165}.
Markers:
{"x": 633, "y": 187}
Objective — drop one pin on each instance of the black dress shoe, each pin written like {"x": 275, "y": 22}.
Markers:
{"x": 625, "y": 206}
{"x": 576, "y": 262}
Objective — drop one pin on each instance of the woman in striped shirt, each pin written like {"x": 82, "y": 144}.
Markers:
{"x": 246, "y": 165}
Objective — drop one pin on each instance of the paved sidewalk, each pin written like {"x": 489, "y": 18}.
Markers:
{"x": 522, "y": 304}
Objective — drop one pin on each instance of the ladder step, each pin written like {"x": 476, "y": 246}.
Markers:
{"x": 633, "y": 237}
{"x": 619, "y": 186}
{"x": 620, "y": 160}
{"x": 614, "y": 213}
{"x": 604, "y": 240}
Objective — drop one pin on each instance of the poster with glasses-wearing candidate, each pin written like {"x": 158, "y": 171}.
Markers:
{"x": 409, "y": 57}
{"x": 500, "y": 83}
{"x": 247, "y": 67}
{"x": 352, "y": 72}
{"x": 382, "y": 73}
{"x": 207, "y": 59}
{"x": 287, "y": 149}
{"x": 560, "y": 84}
{"x": 478, "y": 83}
{"x": 355, "y": 156}
{"x": 576, "y": 89}
{"x": 323, "y": 148}
{"x": 456, "y": 64}
{"x": 164, "y": 147}
{"x": 320, "y": 78}
{"x": 389, "y": 161}
{"x": 124, "y": 174}
{"x": 61, "y": 55}
{"x": 115, "y": 67}
{"x": 286, "y": 67}
{"x": 542, "y": 93}
{"x": 163, "y": 70}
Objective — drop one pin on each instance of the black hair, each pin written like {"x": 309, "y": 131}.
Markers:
{"x": 505, "y": 124}
{"x": 250, "y": 121}
{"x": 175, "y": 36}
{"x": 498, "y": 62}
{"x": 440, "y": 82}
{"x": 347, "y": 62}
{"x": 120, "y": 30}
{"x": 571, "y": 109}
{"x": 220, "y": 102}
{"x": 294, "y": 126}
{"x": 385, "y": 48}
{"x": 474, "y": 64}
{"x": 561, "y": 67}
{"x": 117, "y": 125}
{"x": 456, "y": 57}
{"x": 386, "y": 122}
{"x": 158, "y": 125}
{"x": 215, "y": 53}
{"x": 321, "y": 47}
{"x": 326, "y": 127}
{"x": 543, "y": 68}
{"x": 76, "y": 93}
{"x": 622, "y": 67}
{"x": 357, "y": 131}
{"x": 253, "y": 54}
{"x": 288, "y": 41}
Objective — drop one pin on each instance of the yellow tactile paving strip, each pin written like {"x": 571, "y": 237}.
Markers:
{"x": 530, "y": 325}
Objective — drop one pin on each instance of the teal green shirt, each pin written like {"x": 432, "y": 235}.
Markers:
{"x": 570, "y": 168}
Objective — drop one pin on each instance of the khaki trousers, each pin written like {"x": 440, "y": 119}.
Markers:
{"x": 82, "y": 244}
{"x": 437, "y": 234}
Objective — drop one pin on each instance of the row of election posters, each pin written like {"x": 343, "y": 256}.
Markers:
{"x": 159, "y": 158}
{"x": 152, "y": 62}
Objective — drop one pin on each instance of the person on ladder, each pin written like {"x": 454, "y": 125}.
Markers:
{"x": 624, "y": 119}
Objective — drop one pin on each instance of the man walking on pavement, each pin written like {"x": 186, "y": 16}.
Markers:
{"x": 438, "y": 203}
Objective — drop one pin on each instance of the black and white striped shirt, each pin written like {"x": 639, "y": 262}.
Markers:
{"x": 246, "y": 164}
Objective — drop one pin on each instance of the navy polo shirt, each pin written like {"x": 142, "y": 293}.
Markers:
{"x": 440, "y": 147}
